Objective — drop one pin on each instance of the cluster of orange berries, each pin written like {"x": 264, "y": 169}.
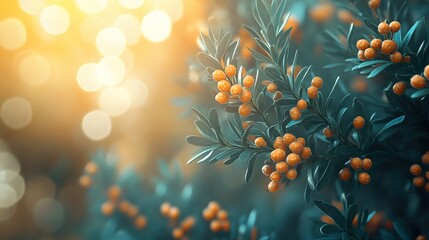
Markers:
{"x": 227, "y": 91}
{"x": 287, "y": 154}
{"x": 217, "y": 217}
{"x": 368, "y": 50}
{"x": 313, "y": 90}
{"x": 173, "y": 214}
{"x": 125, "y": 207}
{"x": 417, "y": 81}
{"x": 90, "y": 169}
{"x": 357, "y": 164}
{"x": 416, "y": 169}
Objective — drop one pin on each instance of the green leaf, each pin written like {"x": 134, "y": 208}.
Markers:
{"x": 199, "y": 141}
{"x": 368, "y": 63}
{"x": 208, "y": 61}
{"x": 199, "y": 155}
{"x": 382, "y": 133}
{"x": 379, "y": 69}
{"x": 329, "y": 229}
{"x": 244, "y": 140}
{"x": 332, "y": 212}
{"x": 351, "y": 213}
{"x": 408, "y": 36}
{"x": 310, "y": 178}
{"x": 214, "y": 122}
{"x": 420, "y": 93}
{"x": 249, "y": 170}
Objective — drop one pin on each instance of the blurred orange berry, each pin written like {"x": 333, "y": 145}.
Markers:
{"x": 140, "y": 222}
{"x": 85, "y": 181}
{"x": 322, "y": 13}
{"x": 165, "y": 209}
{"x": 394, "y": 26}
{"x": 364, "y": 178}
{"x": 296, "y": 147}
{"x": 295, "y": 113}
{"x": 419, "y": 181}
{"x": 306, "y": 153}
{"x": 188, "y": 224}
{"x": 214, "y": 206}
{"x": 230, "y": 70}
{"x": 107, "y": 208}
{"x": 178, "y": 233}
{"x": 174, "y": 213}
{"x": 358, "y": 122}
{"x": 421, "y": 237}
{"x": 91, "y": 168}
{"x": 399, "y": 88}
{"x": 114, "y": 193}
{"x": 312, "y": 92}
{"x": 236, "y": 90}
{"x": 272, "y": 87}
{"x": 278, "y": 155}
{"x": 223, "y": 86}
{"x": 345, "y": 174}
{"x": 374, "y": 4}
{"x": 245, "y": 110}
{"x": 209, "y": 214}
{"x": 366, "y": 163}
{"x": 225, "y": 225}
{"x": 132, "y": 211}
{"x": 426, "y": 72}
{"x": 416, "y": 169}
{"x": 301, "y": 140}
{"x": 215, "y": 226}
{"x": 317, "y": 82}
{"x": 222, "y": 215}
{"x": 277, "y": 95}
{"x": 388, "y": 46}
{"x": 276, "y": 176}
{"x": 425, "y": 158}
{"x": 296, "y": 71}
{"x": 328, "y": 132}
{"x": 406, "y": 59}
{"x": 396, "y": 57}
{"x": 248, "y": 81}
{"x": 376, "y": 43}
{"x": 369, "y": 53}
{"x": 246, "y": 96}
{"x": 124, "y": 206}
{"x": 288, "y": 138}
{"x": 418, "y": 81}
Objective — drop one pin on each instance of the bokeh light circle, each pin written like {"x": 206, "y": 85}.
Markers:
{"x": 48, "y": 214}
{"x": 87, "y": 77}
{"x": 138, "y": 92}
{"x": 90, "y": 27}
{"x": 13, "y": 34}
{"x": 15, "y": 181}
{"x": 16, "y": 113}
{"x": 111, "y": 70}
{"x": 7, "y": 196}
{"x": 55, "y": 20}
{"x": 9, "y": 162}
{"x": 174, "y": 8}
{"x": 129, "y": 25}
{"x": 156, "y": 26}
{"x": 115, "y": 101}
{"x": 131, "y": 4}
{"x": 91, "y": 7}
{"x": 96, "y": 125}
{"x": 32, "y": 7}
{"x": 111, "y": 42}
{"x": 35, "y": 70}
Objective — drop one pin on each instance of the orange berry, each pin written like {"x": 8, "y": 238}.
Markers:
{"x": 214, "y": 206}
{"x": 388, "y": 46}
{"x": 215, "y": 226}
{"x": 222, "y": 215}
{"x": 301, "y": 140}
{"x": 277, "y": 95}
{"x": 374, "y": 4}
{"x": 369, "y": 53}
{"x": 306, "y": 153}
{"x": 301, "y": 104}
{"x": 236, "y": 90}
{"x": 418, "y": 81}
{"x": 383, "y": 28}
{"x": 246, "y": 124}
{"x": 296, "y": 147}
{"x": 358, "y": 122}
{"x": 399, "y": 88}
{"x": 297, "y": 70}
{"x": 165, "y": 209}
{"x": 278, "y": 143}
{"x": 209, "y": 214}
{"x": 124, "y": 206}
{"x": 295, "y": 114}
{"x": 312, "y": 92}
{"x": 396, "y": 57}
{"x": 425, "y": 158}
{"x": 282, "y": 167}
{"x": 276, "y": 176}
{"x": 362, "y": 44}
{"x": 317, "y": 82}
{"x": 426, "y": 72}
{"x": 85, "y": 181}
{"x": 140, "y": 222}
{"x": 178, "y": 233}
{"x": 394, "y": 26}
{"x": 223, "y": 86}
{"x": 376, "y": 43}
{"x": 222, "y": 97}
{"x": 421, "y": 237}
{"x": 293, "y": 159}
{"x": 230, "y": 70}
{"x": 107, "y": 208}
{"x": 356, "y": 163}
{"x": 406, "y": 59}
{"x": 225, "y": 225}
{"x": 419, "y": 181}
{"x": 174, "y": 213}
{"x": 278, "y": 155}
{"x": 260, "y": 142}
{"x": 245, "y": 110}
{"x": 132, "y": 211}
{"x": 273, "y": 186}
{"x": 272, "y": 87}
{"x": 291, "y": 174}
{"x": 427, "y": 187}
{"x": 328, "y": 132}
{"x": 246, "y": 96}
{"x": 288, "y": 138}
{"x": 361, "y": 55}
{"x": 91, "y": 168}
{"x": 364, "y": 178}
{"x": 427, "y": 175}
{"x": 366, "y": 163}
{"x": 248, "y": 81}
{"x": 416, "y": 169}
{"x": 188, "y": 224}
{"x": 114, "y": 193}
{"x": 267, "y": 170}
{"x": 218, "y": 75}
{"x": 345, "y": 174}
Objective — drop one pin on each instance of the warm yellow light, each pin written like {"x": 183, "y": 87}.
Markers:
{"x": 16, "y": 113}
{"x": 87, "y": 77}
{"x": 138, "y": 92}
{"x": 131, "y": 4}
{"x": 174, "y": 8}
{"x": 111, "y": 70}
{"x": 96, "y": 125}
{"x": 55, "y": 20}
{"x": 128, "y": 59}
{"x": 12, "y": 188}
{"x": 35, "y": 69}
{"x": 156, "y": 26}
{"x": 12, "y": 34}
{"x": 114, "y": 101}
{"x": 90, "y": 27}
{"x": 32, "y": 7}
{"x": 91, "y": 7}
{"x": 110, "y": 42}
{"x": 129, "y": 25}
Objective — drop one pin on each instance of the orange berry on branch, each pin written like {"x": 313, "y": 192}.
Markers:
{"x": 140, "y": 222}
{"x": 396, "y": 57}
{"x": 388, "y": 46}
{"x": 215, "y": 226}
{"x": 356, "y": 163}
{"x": 296, "y": 147}
{"x": 174, "y": 213}
{"x": 246, "y": 96}
{"x": 132, "y": 211}
{"x": 222, "y": 98}
{"x": 230, "y": 70}
{"x": 165, "y": 209}
{"x": 301, "y": 104}
{"x": 418, "y": 81}
{"x": 317, "y": 82}
{"x": 272, "y": 87}
{"x": 278, "y": 155}
{"x": 225, "y": 225}
{"x": 416, "y": 169}
{"x": 248, "y": 81}
{"x": 399, "y": 88}
{"x": 366, "y": 163}
{"x": 291, "y": 174}
{"x": 107, "y": 208}
{"x": 394, "y": 26}
{"x": 281, "y": 167}
{"x": 178, "y": 233}
{"x": 376, "y": 43}
{"x": 188, "y": 224}
{"x": 425, "y": 158}
{"x": 364, "y": 178}
{"x": 236, "y": 90}
{"x": 114, "y": 193}
{"x": 295, "y": 113}
{"x": 245, "y": 110}
{"x": 426, "y": 72}
{"x": 273, "y": 186}
{"x": 288, "y": 138}
{"x": 278, "y": 143}
{"x": 276, "y": 176}
{"x": 209, "y": 214}
{"x": 267, "y": 170}
{"x": 306, "y": 153}
{"x": 345, "y": 174}
{"x": 218, "y": 75}
{"x": 383, "y": 28}
{"x": 260, "y": 142}
{"x": 361, "y": 55}
{"x": 362, "y": 44}
{"x": 223, "y": 86}
{"x": 369, "y": 53}
{"x": 293, "y": 159}
{"x": 297, "y": 70}
{"x": 374, "y": 4}
{"x": 419, "y": 181}
{"x": 222, "y": 215}
{"x": 214, "y": 206}
{"x": 312, "y": 92}
{"x": 91, "y": 168}
{"x": 277, "y": 95}
{"x": 358, "y": 122}
{"x": 328, "y": 132}
{"x": 301, "y": 140}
